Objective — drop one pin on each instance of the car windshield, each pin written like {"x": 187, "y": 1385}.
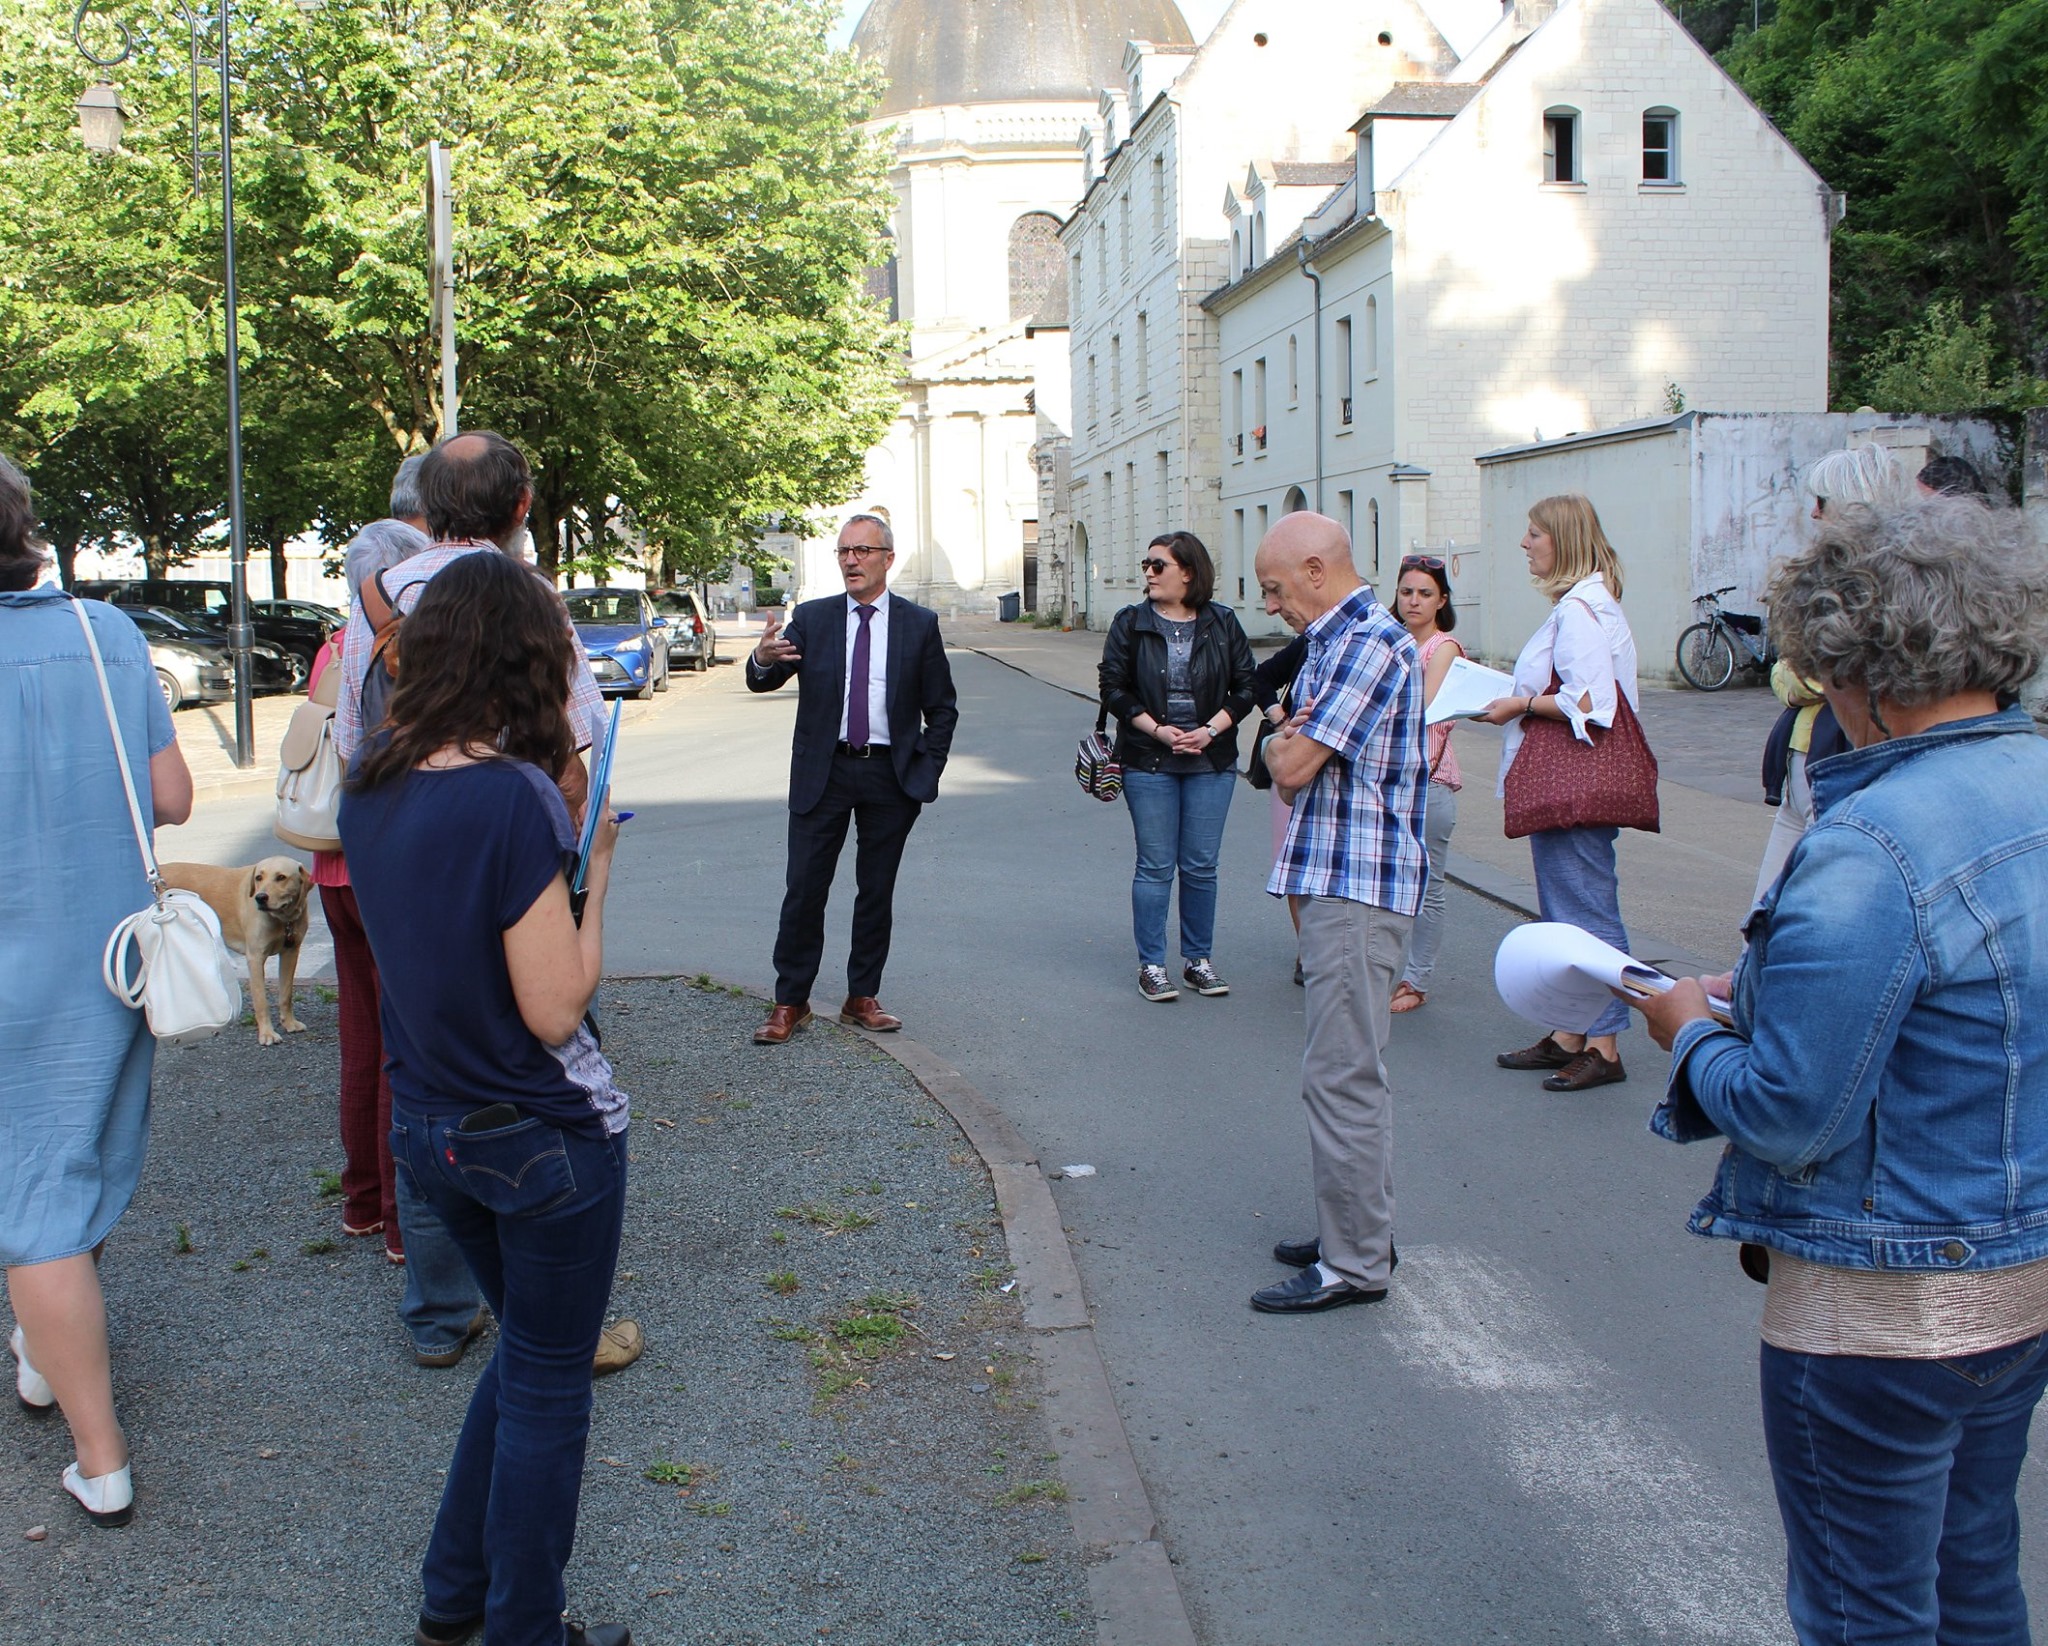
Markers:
{"x": 162, "y": 622}
{"x": 603, "y": 606}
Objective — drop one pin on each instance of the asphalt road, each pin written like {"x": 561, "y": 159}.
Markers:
{"x": 1549, "y": 1432}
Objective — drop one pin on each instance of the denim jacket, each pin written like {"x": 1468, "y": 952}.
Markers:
{"x": 1884, "y": 1091}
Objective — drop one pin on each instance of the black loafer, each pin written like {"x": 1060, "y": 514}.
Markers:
{"x": 1301, "y": 1253}
{"x": 1298, "y": 1254}
{"x": 599, "y": 1634}
{"x": 1305, "y": 1293}
{"x": 434, "y": 1632}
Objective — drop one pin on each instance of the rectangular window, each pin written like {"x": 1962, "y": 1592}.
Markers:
{"x": 1102, "y": 260}
{"x": 1158, "y": 197}
{"x": 1236, "y": 433}
{"x": 1293, "y": 371}
{"x": 1131, "y": 517}
{"x": 1165, "y": 511}
{"x": 1347, "y": 513}
{"x": 1344, "y": 371}
{"x": 1124, "y": 230}
{"x": 1116, "y": 376}
{"x": 1259, "y": 404}
{"x": 1094, "y": 394}
{"x": 1142, "y": 364}
{"x": 1369, "y": 358}
{"x": 1560, "y": 147}
{"x": 1660, "y": 146}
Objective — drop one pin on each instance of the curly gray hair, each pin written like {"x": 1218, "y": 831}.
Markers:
{"x": 1917, "y": 604}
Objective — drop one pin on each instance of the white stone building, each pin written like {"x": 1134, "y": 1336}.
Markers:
{"x": 1583, "y": 223}
{"x": 1251, "y": 116}
{"x": 984, "y": 107}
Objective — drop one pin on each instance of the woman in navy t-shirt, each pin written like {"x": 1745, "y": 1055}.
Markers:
{"x": 504, "y": 1112}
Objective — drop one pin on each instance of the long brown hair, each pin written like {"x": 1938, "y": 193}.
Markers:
{"x": 486, "y": 660}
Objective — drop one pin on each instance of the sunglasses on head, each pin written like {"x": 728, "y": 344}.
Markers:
{"x": 1154, "y": 565}
{"x": 1428, "y": 562}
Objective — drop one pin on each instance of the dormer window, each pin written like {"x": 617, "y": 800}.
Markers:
{"x": 1660, "y": 146}
{"x": 1561, "y": 146}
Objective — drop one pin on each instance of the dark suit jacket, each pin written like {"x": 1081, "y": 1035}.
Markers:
{"x": 922, "y": 712}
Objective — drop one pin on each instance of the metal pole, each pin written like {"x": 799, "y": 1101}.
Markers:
{"x": 443, "y": 167}
{"x": 1302, "y": 254}
{"x": 240, "y": 636}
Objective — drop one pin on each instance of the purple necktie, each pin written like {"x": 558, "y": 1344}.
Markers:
{"x": 857, "y": 683}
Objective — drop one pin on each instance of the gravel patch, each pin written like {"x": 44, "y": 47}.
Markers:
{"x": 837, "y": 1402}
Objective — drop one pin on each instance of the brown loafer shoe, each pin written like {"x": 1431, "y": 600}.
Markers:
{"x": 618, "y": 1346}
{"x": 864, "y": 1011}
{"x": 1585, "y": 1071}
{"x": 783, "y": 1022}
{"x": 1545, "y": 1054}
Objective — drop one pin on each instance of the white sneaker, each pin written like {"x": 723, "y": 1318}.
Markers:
{"x": 1155, "y": 985}
{"x": 30, "y": 1384}
{"x": 108, "y": 1499}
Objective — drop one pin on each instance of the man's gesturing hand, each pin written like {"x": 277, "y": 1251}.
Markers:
{"x": 773, "y": 648}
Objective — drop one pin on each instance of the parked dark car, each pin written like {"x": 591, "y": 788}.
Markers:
{"x": 209, "y": 603}
{"x": 628, "y": 650}
{"x": 194, "y": 664}
{"x": 270, "y": 669}
{"x": 307, "y": 610}
{"x": 692, "y": 641}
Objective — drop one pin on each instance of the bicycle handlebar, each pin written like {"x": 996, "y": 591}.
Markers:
{"x": 1713, "y": 594}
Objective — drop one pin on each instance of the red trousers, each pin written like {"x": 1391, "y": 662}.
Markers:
{"x": 368, "y": 1195}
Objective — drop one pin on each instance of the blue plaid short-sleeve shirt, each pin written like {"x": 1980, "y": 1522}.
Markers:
{"x": 1356, "y": 830}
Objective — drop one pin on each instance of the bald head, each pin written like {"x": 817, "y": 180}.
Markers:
{"x": 1304, "y": 568}
{"x": 475, "y": 487}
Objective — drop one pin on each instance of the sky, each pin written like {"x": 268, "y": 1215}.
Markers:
{"x": 1201, "y": 16}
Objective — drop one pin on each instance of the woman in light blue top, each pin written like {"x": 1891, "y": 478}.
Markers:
{"x": 74, "y": 1061}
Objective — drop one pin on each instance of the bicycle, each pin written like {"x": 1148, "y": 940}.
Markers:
{"x": 1709, "y": 650}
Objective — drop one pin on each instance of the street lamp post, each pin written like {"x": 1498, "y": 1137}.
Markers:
{"x": 100, "y": 120}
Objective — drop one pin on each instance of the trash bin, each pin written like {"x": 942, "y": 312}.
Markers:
{"x": 1009, "y": 607}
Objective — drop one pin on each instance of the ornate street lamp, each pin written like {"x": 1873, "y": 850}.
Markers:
{"x": 100, "y": 122}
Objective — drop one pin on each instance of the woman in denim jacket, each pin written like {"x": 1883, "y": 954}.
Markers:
{"x": 1884, "y": 1086}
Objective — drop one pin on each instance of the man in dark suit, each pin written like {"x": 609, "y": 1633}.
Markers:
{"x": 874, "y": 723}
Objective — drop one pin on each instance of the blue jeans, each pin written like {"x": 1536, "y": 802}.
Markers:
{"x": 1896, "y": 1483}
{"x": 537, "y": 1212}
{"x": 1178, "y": 817}
{"x": 1575, "y": 884}
{"x": 440, "y": 1297}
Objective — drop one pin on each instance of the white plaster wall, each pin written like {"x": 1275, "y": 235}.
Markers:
{"x": 1530, "y": 310}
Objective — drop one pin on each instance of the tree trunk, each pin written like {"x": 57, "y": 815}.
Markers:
{"x": 279, "y": 573}
{"x": 542, "y": 522}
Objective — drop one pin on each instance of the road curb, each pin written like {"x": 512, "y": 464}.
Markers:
{"x": 1131, "y": 1579}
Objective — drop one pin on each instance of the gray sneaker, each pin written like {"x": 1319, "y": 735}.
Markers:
{"x": 1155, "y": 985}
{"x": 1200, "y": 976}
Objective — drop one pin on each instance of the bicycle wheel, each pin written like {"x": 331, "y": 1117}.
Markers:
{"x": 1706, "y": 657}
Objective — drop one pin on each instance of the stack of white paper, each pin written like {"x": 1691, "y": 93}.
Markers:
{"x": 1466, "y": 691}
{"x": 1563, "y": 977}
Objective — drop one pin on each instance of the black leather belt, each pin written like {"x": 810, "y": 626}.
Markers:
{"x": 862, "y": 751}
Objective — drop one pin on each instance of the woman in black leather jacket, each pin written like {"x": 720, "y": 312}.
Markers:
{"x": 1177, "y": 675}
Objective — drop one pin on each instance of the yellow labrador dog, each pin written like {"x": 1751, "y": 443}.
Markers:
{"x": 262, "y": 910}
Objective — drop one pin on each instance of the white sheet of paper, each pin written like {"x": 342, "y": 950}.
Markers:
{"x": 1560, "y": 977}
{"x": 1466, "y": 691}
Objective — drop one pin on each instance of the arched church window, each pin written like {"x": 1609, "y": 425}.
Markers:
{"x": 1038, "y": 268}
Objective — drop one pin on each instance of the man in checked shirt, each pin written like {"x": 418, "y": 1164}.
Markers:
{"x": 1353, "y": 762}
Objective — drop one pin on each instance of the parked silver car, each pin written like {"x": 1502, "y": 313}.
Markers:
{"x": 190, "y": 668}
{"x": 692, "y": 642}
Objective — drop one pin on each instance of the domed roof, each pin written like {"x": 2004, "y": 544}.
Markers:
{"x": 1007, "y": 51}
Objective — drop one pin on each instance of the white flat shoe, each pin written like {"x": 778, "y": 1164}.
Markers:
{"x": 109, "y": 1500}
{"x": 29, "y": 1383}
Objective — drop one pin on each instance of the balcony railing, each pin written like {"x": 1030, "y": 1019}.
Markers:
{"x": 1237, "y": 445}
{"x": 1344, "y": 411}
{"x": 1259, "y": 437}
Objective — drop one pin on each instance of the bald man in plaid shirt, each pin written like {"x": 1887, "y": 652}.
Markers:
{"x": 1352, "y": 759}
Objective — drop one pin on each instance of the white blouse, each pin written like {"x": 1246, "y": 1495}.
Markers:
{"x": 1587, "y": 642}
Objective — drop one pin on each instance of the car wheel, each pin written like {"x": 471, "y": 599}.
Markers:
{"x": 645, "y": 690}
{"x": 301, "y": 665}
{"x": 661, "y": 683}
{"x": 169, "y": 687}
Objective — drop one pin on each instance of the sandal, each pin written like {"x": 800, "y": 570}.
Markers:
{"x": 367, "y": 1229}
{"x": 1406, "y": 998}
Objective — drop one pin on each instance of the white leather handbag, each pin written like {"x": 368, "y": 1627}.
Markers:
{"x": 309, "y": 771}
{"x": 167, "y": 959}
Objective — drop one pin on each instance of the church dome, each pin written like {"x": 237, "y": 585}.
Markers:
{"x": 1007, "y": 51}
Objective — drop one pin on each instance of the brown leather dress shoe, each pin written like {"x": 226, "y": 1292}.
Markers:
{"x": 864, "y": 1011}
{"x": 1545, "y": 1054}
{"x": 1585, "y": 1071}
{"x": 783, "y": 1022}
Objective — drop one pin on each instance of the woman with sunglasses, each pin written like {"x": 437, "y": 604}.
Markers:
{"x": 1177, "y": 675}
{"x": 1422, "y": 601}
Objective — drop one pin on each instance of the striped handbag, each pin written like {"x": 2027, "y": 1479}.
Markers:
{"x": 1096, "y": 767}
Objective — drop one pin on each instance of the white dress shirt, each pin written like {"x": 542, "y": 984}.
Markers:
{"x": 878, "y": 668}
{"x": 1587, "y": 641}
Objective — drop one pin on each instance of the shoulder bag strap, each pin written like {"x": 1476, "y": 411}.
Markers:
{"x": 99, "y": 668}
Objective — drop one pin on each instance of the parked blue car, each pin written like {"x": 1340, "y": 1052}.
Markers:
{"x": 626, "y": 643}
